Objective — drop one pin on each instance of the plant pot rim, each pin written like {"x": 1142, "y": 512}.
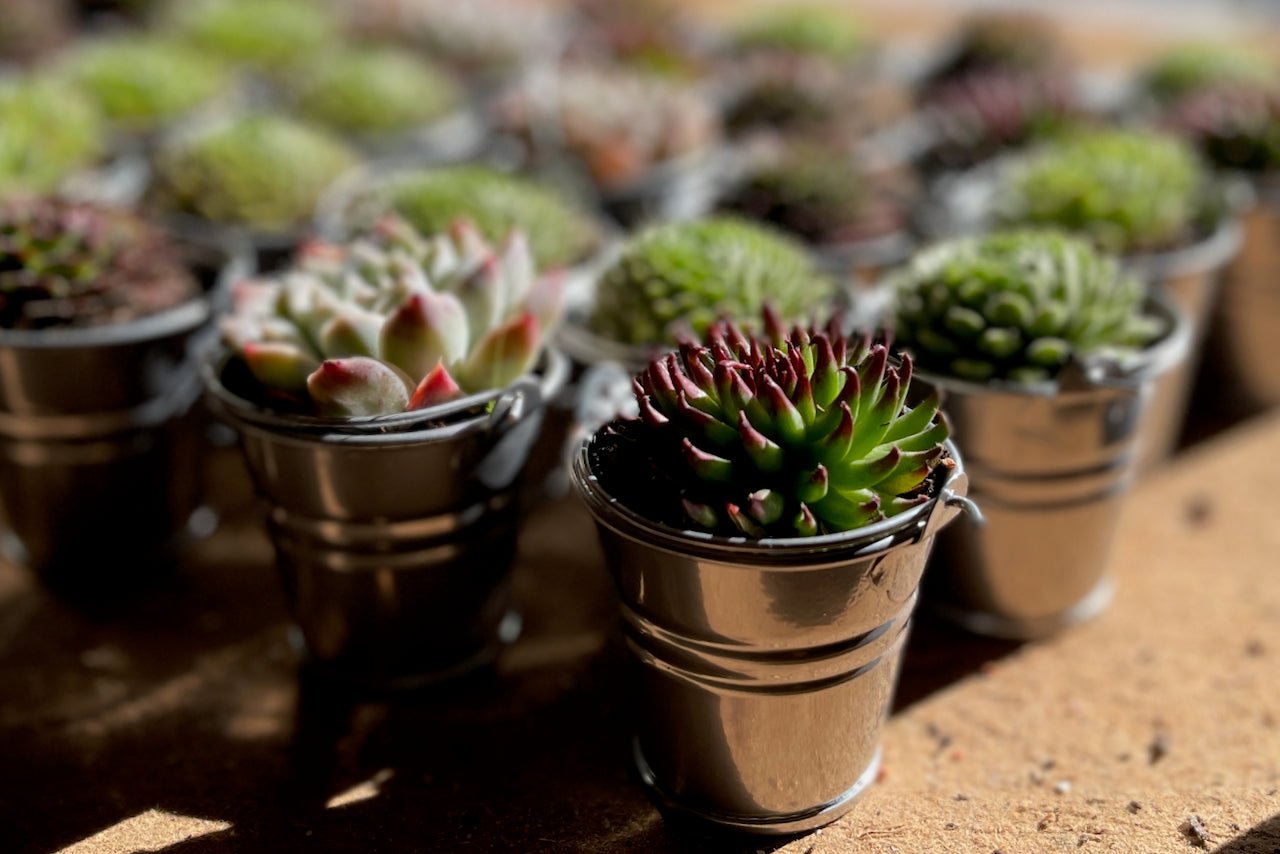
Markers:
{"x": 910, "y": 526}
{"x": 1208, "y": 253}
{"x": 441, "y": 421}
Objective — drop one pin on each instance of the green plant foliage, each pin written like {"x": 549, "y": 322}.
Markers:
{"x": 801, "y": 29}
{"x": 48, "y": 130}
{"x": 1188, "y": 67}
{"x": 270, "y": 34}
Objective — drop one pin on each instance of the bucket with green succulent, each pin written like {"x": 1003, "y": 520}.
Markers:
{"x": 1048, "y": 353}
{"x": 767, "y": 517}
{"x": 387, "y": 392}
{"x": 102, "y": 318}
{"x": 257, "y": 174}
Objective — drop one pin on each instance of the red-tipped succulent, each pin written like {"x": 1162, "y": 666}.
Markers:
{"x": 789, "y": 432}
{"x": 394, "y": 321}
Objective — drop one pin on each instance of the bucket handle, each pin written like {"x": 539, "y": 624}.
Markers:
{"x": 952, "y": 501}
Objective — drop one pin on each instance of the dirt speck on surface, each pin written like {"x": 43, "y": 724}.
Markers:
{"x": 1134, "y": 807}
{"x": 1158, "y": 749}
{"x": 1193, "y": 828}
{"x": 1199, "y": 511}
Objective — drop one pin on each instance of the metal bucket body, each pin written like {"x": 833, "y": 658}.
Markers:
{"x": 765, "y": 668}
{"x": 395, "y": 535}
{"x": 1050, "y": 466}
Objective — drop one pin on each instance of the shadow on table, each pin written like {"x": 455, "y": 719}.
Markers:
{"x": 1260, "y": 839}
{"x": 939, "y": 654}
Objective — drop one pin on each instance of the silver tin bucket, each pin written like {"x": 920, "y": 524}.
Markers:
{"x": 1050, "y": 465}
{"x": 765, "y": 669}
{"x": 99, "y": 438}
{"x": 1189, "y": 278}
{"x": 395, "y": 535}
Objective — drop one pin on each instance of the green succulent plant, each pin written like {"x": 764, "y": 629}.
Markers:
{"x": 802, "y": 29}
{"x": 999, "y": 40}
{"x": 49, "y": 129}
{"x": 259, "y": 171}
{"x": 783, "y": 433}
{"x": 1128, "y": 190}
{"x": 394, "y": 321}
{"x": 373, "y": 90}
{"x": 1016, "y": 306}
{"x": 270, "y": 34}
{"x": 689, "y": 274}
{"x": 66, "y": 263}
{"x": 559, "y": 232}
{"x": 1182, "y": 70}
{"x": 141, "y": 82}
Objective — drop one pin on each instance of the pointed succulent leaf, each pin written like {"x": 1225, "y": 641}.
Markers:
{"x": 505, "y": 353}
{"x": 357, "y": 386}
{"x": 438, "y": 386}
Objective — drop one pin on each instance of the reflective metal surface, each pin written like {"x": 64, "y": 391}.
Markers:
{"x": 765, "y": 668}
{"x": 395, "y": 535}
{"x": 1050, "y": 466}
{"x": 99, "y": 438}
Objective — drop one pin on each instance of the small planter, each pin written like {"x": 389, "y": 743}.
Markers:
{"x": 395, "y": 534}
{"x": 100, "y": 440}
{"x": 765, "y": 668}
{"x": 1050, "y": 466}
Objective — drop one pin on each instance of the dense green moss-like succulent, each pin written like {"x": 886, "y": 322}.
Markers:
{"x": 394, "y": 321}
{"x": 1182, "y": 70}
{"x": 1129, "y": 191}
{"x": 48, "y": 129}
{"x": 1016, "y": 305}
{"x": 688, "y": 274}
{"x": 820, "y": 193}
{"x": 787, "y": 433}
{"x": 271, "y": 34}
{"x": 259, "y": 171}
{"x": 141, "y": 82}
{"x": 559, "y": 232}
{"x": 65, "y": 263}
{"x": 1236, "y": 126}
{"x": 374, "y": 90}
{"x": 801, "y": 29}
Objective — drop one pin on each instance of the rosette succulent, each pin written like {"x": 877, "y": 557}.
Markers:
{"x": 373, "y": 91}
{"x": 1016, "y": 306}
{"x": 1183, "y": 70}
{"x": 269, "y": 34}
{"x": 259, "y": 171}
{"x": 49, "y": 129}
{"x": 689, "y": 274}
{"x": 394, "y": 321}
{"x": 783, "y": 433}
{"x": 1129, "y": 191}
{"x": 67, "y": 263}
{"x": 141, "y": 82}
{"x": 559, "y": 232}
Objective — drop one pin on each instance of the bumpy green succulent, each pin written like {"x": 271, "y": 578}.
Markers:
{"x": 692, "y": 273}
{"x": 1184, "y": 69}
{"x": 374, "y": 90}
{"x": 801, "y": 29}
{"x": 560, "y": 233}
{"x": 64, "y": 263}
{"x": 1128, "y": 190}
{"x": 259, "y": 171}
{"x": 48, "y": 129}
{"x": 141, "y": 82}
{"x": 394, "y": 321}
{"x": 1235, "y": 125}
{"x": 787, "y": 433}
{"x": 1016, "y": 306}
{"x": 271, "y": 34}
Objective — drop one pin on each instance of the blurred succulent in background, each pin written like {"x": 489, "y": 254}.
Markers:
{"x": 373, "y": 91}
{"x": 67, "y": 263}
{"x": 1016, "y": 306}
{"x": 559, "y": 232}
{"x": 393, "y": 321}
{"x": 798, "y": 29}
{"x": 782, "y": 433}
{"x": 269, "y": 34}
{"x": 1182, "y": 70}
{"x": 142, "y": 82}
{"x": 617, "y": 123}
{"x": 258, "y": 171}
{"x": 651, "y": 35}
{"x": 819, "y": 192}
{"x": 1128, "y": 190}
{"x": 689, "y": 274}
{"x": 1235, "y": 125}
{"x": 48, "y": 129}
{"x": 998, "y": 40}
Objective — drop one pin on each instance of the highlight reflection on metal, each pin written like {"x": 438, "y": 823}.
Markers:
{"x": 99, "y": 443}
{"x": 1049, "y": 466}
{"x": 765, "y": 668}
{"x": 395, "y": 535}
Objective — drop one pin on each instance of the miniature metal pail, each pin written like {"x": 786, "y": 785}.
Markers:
{"x": 395, "y": 535}
{"x": 99, "y": 451}
{"x": 766, "y": 668}
{"x": 1050, "y": 467}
